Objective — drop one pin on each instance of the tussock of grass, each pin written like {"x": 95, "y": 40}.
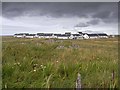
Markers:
{"x": 37, "y": 63}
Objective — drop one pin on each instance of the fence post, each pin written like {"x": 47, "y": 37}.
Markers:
{"x": 78, "y": 82}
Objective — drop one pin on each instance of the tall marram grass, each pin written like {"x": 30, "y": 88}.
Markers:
{"x": 39, "y": 63}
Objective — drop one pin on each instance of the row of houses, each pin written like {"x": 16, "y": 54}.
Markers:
{"x": 67, "y": 35}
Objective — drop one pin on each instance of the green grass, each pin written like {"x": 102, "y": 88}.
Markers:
{"x": 95, "y": 60}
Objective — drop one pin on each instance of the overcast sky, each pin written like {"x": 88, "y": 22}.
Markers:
{"x": 59, "y": 17}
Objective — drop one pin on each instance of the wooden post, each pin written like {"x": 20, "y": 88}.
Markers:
{"x": 78, "y": 82}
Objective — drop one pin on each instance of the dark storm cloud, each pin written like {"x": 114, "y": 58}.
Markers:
{"x": 52, "y": 9}
{"x": 104, "y": 11}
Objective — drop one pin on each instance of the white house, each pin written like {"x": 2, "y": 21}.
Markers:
{"x": 90, "y": 36}
{"x": 20, "y": 35}
{"x": 85, "y": 36}
{"x": 45, "y": 35}
{"x": 30, "y": 36}
{"x": 76, "y": 36}
{"x": 94, "y": 36}
{"x": 102, "y": 35}
{"x": 40, "y": 35}
{"x": 62, "y": 36}
{"x": 67, "y": 35}
{"x": 48, "y": 35}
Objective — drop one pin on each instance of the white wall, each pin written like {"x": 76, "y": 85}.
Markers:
{"x": 93, "y": 37}
{"x": 62, "y": 37}
{"x": 29, "y": 36}
{"x": 103, "y": 36}
{"x": 86, "y": 36}
{"x": 19, "y": 36}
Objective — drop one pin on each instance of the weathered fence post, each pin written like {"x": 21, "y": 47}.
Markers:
{"x": 78, "y": 82}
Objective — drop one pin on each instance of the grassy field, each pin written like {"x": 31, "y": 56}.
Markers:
{"x": 52, "y": 63}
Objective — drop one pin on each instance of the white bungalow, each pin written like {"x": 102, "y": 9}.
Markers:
{"x": 102, "y": 35}
{"x": 62, "y": 36}
{"x": 30, "y": 36}
{"x": 48, "y": 35}
{"x": 85, "y": 36}
{"x": 40, "y": 35}
{"x": 67, "y": 35}
{"x": 76, "y": 36}
{"x": 94, "y": 36}
{"x": 45, "y": 35}
{"x": 90, "y": 36}
{"x": 20, "y": 35}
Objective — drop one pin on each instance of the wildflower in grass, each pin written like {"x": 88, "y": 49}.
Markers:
{"x": 57, "y": 61}
{"x": 34, "y": 70}
{"x": 44, "y": 66}
{"x": 78, "y": 82}
{"x": 18, "y": 63}
{"x": 41, "y": 65}
{"x": 35, "y": 65}
{"x": 22, "y": 43}
{"x": 14, "y": 63}
{"x": 113, "y": 75}
{"x": 5, "y": 85}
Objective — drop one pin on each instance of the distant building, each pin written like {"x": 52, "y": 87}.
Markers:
{"x": 86, "y": 36}
{"x": 102, "y": 35}
{"x": 21, "y": 35}
{"x": 62, "y": 36}
{"x": 30, "y": 36}
{"x": 94, "y": 36}
{"x": 45, "y": 35}
{"x": 80, "y": 33}
{"x": 40, "y": 35}
{"x": 76, "y": 36}
{"x": 67, "y": 35}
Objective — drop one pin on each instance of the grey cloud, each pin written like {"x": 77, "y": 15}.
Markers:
{"x": 104, "y": 11}
{"x": 82, "y": 25}
{"x": 102, "y": 15}
{"x": 107, "y": 13}
{"x": 86, "y": 24}
{"x": 93, "y": 22}
{"x": 119, "y": 13}
{"x": 0, "y": 9}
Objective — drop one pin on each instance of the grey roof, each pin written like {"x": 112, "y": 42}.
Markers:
{"x": 44, "y": 34}
{"x": 92, "y": 35}
{"x": 102, "y": 34}
{"x": 76, "y": 34}
{"x": 62, "y": 35}
{"x": 30, "y": 34}
{"x": 97, "y": 34}
{"x": 21, "y": 34}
